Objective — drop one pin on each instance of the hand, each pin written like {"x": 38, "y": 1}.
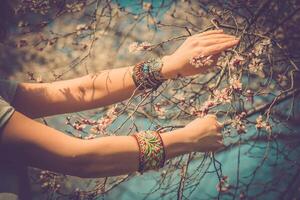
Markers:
{"x": 204, "y": 134}
{"x": 209, "y": 43}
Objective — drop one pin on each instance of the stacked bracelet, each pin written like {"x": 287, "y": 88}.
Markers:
{"x": 147, "y": 74}
{"x": 151, "y": 148}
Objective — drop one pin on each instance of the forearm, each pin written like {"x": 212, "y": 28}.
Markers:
{"x": 116, "y": 155}
{"x": 46, "y": 148}
{"x": 95, "y": 90}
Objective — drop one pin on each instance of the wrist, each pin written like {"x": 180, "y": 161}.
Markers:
{"x": 167, "y": 70}
{"x": 175, "y": 143}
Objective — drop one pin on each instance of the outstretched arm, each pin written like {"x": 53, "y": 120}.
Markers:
{"x": 115, "y": 85}
{"x": 87, "y": 92}
{"x": 40, "y": 146}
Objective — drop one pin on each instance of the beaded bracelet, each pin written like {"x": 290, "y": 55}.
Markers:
{"x": 147, "y": 74}
{"x": 152, "y": 151}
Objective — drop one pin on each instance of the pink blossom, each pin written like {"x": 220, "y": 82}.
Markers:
{"x": 133, "y": 47}
{"x": 147, "y": 6}
{"x": 80, "y": 28}
{"x": 261, "y": 47}
{"x": 235, "y": 83}
{"x": 201, "y": 61}
{"x": 238, "y": 123}
{"x": 260, "y": 124}
{"x": 22, "y": 43}
{"x": 88, "y": 121}
{"x": 136, "y": 47}
{"x": 282, "y": 79}
{"x": 223, "y": 96}
{"x": 236, "y": 61}
{"x": 207, "y": 105}
{"x": 256, "y": 65}
{"x": 79, "y": 126}
{"x": 161, "y": 111}
{"x": 250, "y": 96}
{"x": 181, "y": 98}
{"x": 204, "y": 109}
{"x": 100, "y": 126}
{"x": 223, "y": 185}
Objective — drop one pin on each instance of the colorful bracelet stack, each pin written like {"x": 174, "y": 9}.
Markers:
{"x": 147, "y": 74}
{"x": 152, "y": 152}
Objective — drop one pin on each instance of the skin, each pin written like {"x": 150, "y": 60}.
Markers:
{"x": 37, "y": 145}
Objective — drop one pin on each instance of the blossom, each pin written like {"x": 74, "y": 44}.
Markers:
{"x": 201, "y": 61}
{"x": 207, "y": 105}
{"x": 78, "y": 125}
{"x": 256, "y": 65}
{"x": 235, "y": 83}
{"x": 204, "y": 109}
{"x": 113, "y": 111}
{"x": 223, "y": 96}
{"x": 196, "y": 112}
{"x": 223, "y": 185}
{"x": 75, "y": 7}
{"x": 180, "y": 97}
{"x": 147, "y": 6}
{"x": 282, "y": 79}
{"x": 250, "y": 96}
{"x": 238, "y": 123}
{"x": 242, "y": 196}
{"x": 23, "y": 24}
{"x": 261, "y": 47}
{"x": 260, "y": 124}
{"x": 22, "y": 43}
{"x": 236, "y": 61}
{"x": 135, "y": 47}
{"x": 39, "y": 79}
{"x": 80, "y": 28}
{"x": 161, "y": 111}
{"x": 100, "y": 126}
{"x": 88, "y": 121}
{"x": 89, "y": 137}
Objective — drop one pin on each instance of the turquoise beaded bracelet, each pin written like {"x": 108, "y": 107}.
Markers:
{"x": 147, "y": 74}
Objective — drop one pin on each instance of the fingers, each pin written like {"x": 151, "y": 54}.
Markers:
{"x": 216, "y": 36}
{"x": 214, "y": 41}
{"x": 221, "y": 145}
{"x": 220, "y": 141}
{"x": 220, "y": 126}
{"x": 210, "y": 32}
{"x": 217, "y": 48}
{"x": 212, "y": 116}
{"x": 219, "y": 136}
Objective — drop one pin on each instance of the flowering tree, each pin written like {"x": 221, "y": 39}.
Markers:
{"x": 254, "y": 89}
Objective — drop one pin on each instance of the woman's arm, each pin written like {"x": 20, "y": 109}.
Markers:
{"x": 115, "y": 85}
{"x": 23, "y": 139}
{"x": 90, "y": 91}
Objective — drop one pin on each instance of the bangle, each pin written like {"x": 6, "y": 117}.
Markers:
{"x": 147, "y": 74}
{"x": 151, "y": 150}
